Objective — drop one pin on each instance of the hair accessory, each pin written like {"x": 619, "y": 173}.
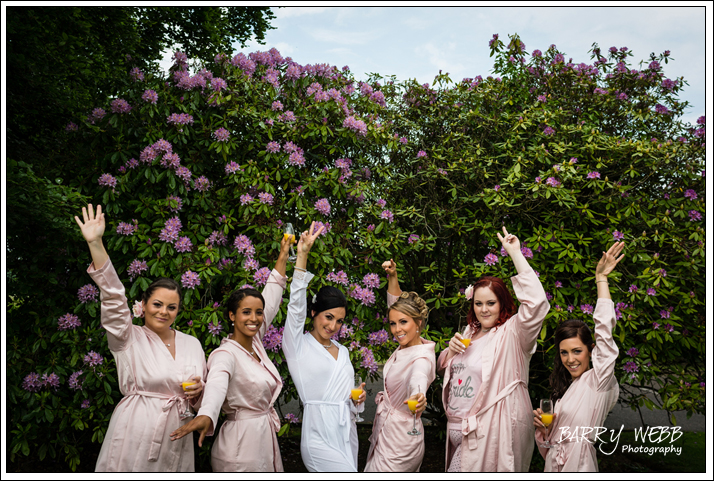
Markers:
{"x": 469, "y": 292}
{"x": 138, "y": 309}
{"x": 404, "y": 295}
{"x": 314, "y": 299}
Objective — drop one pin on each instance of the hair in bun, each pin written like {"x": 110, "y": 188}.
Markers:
{"x": 412, "y": 305}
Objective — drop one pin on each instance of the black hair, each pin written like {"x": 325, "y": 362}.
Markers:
{"x": 328, "y": 297}
{"x": 233, "y": 302}
{"x": 560, "y": 378}
{"x": 162, "y": 283}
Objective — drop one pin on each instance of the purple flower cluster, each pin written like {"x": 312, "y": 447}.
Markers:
{"x": 266, "y": 198}
{"x": 93, "y": 359}
{"x": 296, "y": 157}
{"x": 633, "y": 352}
{"x": 85, "y": 404}
{"x": 339, "y": 277}
{"x": 150, "y": 96}
{"x": 527, "y": 252}
{"x": 97, "y": 114}
{"x": 490, "y": 259}
{"x": 272, "y": 147}
{"x": 327, "y": 227}
{"x": 630, "y": 366}
{"x": 277, "y": 106}
{"x": 244, "y": 246}
{"x": 364, "y": 295}
{"x": 261, "y": 276}
{"x": 32, "y": 382}
{"x": 368, "y": 362}
{"x": 217, "y": 237}
{"x": 661, "y": 109}
{"x": 250, "y": 264}
{"x": 664, "y": 314}
{"x": 218, "y": 84}
{"x": 136, "y": 268}
{"x": 246, "y": 199}
{"x": 548, "y": 131}
{"x": 690, "y": 194}
{"x": 633, "y": 288}
{"x": 232, "y": 167}
{"x": 71, "y": 127}
{"x": 371, "y": 280}
{"x": 586, "y": 308}
{"x": 180, "y": 119}
{"x": 694, "y": 215}
{"x": 215, "y": 329}
{"x": 618, "y": 236}
{"x": 68, "y": 321}
{"x": 413, "y": 238}
{"x": 170, "y": 160}
{"x": 171, "y": 230}
{"x": 593, "y": 175}
{"x": 378, "y": 338}
{"x": 355, "y": 125}
{"x": 387, "y": 215}
{"x": 136, "y": 74}
{"x": 74, "y": 381}
{"x": 651, "y": 291}
{"x": 52, "y": 380}
{"x": 552, "y": 182}
{"x": 190, "y": 280}
{"x": 292, "y": 418}
{"x": 288, "y": 116}
{"x": 126, "y": 229}
{"x": 202, "y": 184}
{"x": 120, "y": 106}
{"x": 87, "y": 293}
{"x": 273, "y": 338}
{"x": 107, "y": 180}
{"x": 323, "y": 206}
{"x": 183, "y": 244}
{"x": 221, "y": 135}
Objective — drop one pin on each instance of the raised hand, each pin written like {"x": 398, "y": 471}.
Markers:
{"x": 609, "y": 260}
{"x": 93, "y": 226}
{"x": 390, "y": 267}
{"x": 308, "y": 237}
{"x": 510, "y": 242}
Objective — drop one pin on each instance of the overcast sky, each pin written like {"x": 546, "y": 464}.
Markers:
{"x": 416, "y": 42}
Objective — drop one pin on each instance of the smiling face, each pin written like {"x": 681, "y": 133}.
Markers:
{"x": 404, "y": 328}
{"x": 486, "y": 307}
{"x": 575, "y": 356}
{"x": 327, "y": 323}
{"x": 161, "y": 310}
{"x": 247, "y": 319}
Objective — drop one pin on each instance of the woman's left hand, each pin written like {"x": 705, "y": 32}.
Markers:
{"x": 362, "y": 397}
{"x": 609, "y": 259}
{"x": 285, "y": 242}
{"x": 510, "y": 243}
{"x": 194, "y": 392}
{"x": 421, "y": 402}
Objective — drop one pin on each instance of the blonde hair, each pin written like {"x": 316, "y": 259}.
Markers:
{"x": 412, "y": 305}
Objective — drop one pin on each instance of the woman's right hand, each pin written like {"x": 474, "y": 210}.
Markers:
{"x": 538, "y": 423}
{"x": 455, "y": 345}
{"x": 93, "y": 226}
{"x": 308, "y": 237}
{"x": 200, "y": 423}
{"x": 390, "y": 267}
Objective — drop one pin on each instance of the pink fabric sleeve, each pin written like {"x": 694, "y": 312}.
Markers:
{"x": 391, "y": 299}
{"x": 540, "y": 439}
{"x": 222, "y": 366}
{"x": 441, "y": 363}
{"x": 605, "y": 352}
{"x": 533, "y": 309}
{"x": 420, "y": 375}
{"x": 116, "y": 316}
{"x": 273, "y": 295}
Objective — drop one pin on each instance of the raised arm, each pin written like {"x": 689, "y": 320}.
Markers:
{"x": 605, "y": 352}
{"x": 393, "y": 289}
{"x": 530, "y": 293}
{"x": 274, "y": 287}
{"x": 115, "y": 317}
{"x": 297, "y": 308}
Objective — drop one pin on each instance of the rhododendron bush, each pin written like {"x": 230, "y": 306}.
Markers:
{"x": 200, "y": 172}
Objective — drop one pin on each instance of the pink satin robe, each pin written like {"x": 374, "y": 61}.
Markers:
{"x": 245, "y": 391}
{"x": 586, "y": 403}
{"x": 498, "y": 434}
{"x": 392, "y": 449}
{"x": 139, "y": 433}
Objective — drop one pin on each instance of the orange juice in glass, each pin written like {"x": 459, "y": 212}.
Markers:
{"x": 356, "y": 392}
{"x": 186, "y": 384}
{"x": 412, "y": 403}
{"x": 466, "y": 342}
{"x": 546, "y": 418}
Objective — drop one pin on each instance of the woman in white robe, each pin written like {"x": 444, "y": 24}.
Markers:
{"x": 321, "y": 371}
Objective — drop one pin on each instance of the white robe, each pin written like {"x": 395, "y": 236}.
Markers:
{"x": 329, "y": 433}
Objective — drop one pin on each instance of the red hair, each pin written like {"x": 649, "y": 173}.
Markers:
{"x": 508, "y": 307}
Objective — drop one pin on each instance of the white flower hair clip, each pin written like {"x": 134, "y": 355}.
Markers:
{"x": 137, "y": 309}
{"x": 469, "y": 292}
{"x": 314, "y": 299}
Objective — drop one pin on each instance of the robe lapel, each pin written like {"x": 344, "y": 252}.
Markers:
{"x": 489, "y": 352}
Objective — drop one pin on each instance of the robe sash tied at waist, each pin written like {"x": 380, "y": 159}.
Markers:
{"x": 163, "y": 417}
{"x": 471, "y": 426}
{"x": 344, "y": 415}
{"x": 273, "y": 418}
{"x": 383, "y": 404}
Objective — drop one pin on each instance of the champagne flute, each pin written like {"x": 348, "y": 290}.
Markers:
{"x": 289, "y": 231}
{"x": 546, "y": 405}
{"x": 412, "y": 403}
{"x": 356, "y": 393}
{"x": 189, "y": 372}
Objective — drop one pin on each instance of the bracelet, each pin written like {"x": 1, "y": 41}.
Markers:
{"x": 602, "y": 281}
{"x": 300, "y": 269}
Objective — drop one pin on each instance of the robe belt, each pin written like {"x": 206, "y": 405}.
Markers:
{"x": 344, "y": 414}
{"x": 240, "y": 414}
{"x": 471, "y": 425}
{"x": 163, "y": 417}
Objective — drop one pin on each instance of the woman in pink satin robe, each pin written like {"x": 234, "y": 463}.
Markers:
{"x": 243, "y": 383}
{"x": 150, "y": 362}
{"x": 583, "y": 397}
{"x": 490, "y": 424}
{"x": 408, "y": 374}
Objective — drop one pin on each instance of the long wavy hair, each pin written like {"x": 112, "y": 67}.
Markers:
{"x": 508, "y": 306}
{"x": 561, "y": 378}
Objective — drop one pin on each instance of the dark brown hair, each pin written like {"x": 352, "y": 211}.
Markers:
{"x": 233, "y": 303}
{"x": 561, "y": 378}
{"x": 161, "y": 283}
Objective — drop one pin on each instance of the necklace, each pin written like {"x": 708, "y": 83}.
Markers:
{"x": 326, "y": 347}
{"x": 168, "y": 344}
